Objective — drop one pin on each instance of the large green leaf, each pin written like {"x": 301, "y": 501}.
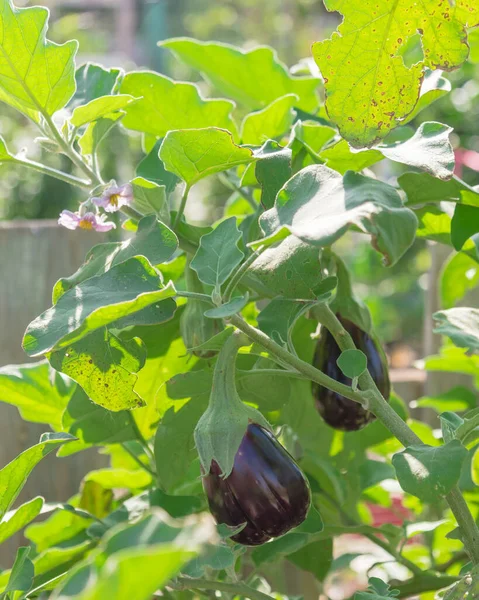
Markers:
{"x": 36, "y": 75}
{"x": 166, "y": 104}
{"x": 318, "y": 205}
{"x": 153, "y": 239}
{"x": 105, "y": 367}
{"x": 33, "y": 391}
{"x": 255, "y": 77}
{"x": 99, "y": 107}
{"x": 369, "y": 89}
{"x": 192, "y": 154}
{"x": 22, "y": 516}
{"x": 15, "y": 474}
{"x": 93, "y": 81}
{"x": 461, "y": 325}
{"x": 459, "y": 275}
{"x": 123, "y": 290}
{"x": 270, "y": 122}
{"x": 428, "y": 472}
{"x": 218, "y": 254}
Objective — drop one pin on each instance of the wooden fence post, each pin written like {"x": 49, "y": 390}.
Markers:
{"x": 33, "y": 255}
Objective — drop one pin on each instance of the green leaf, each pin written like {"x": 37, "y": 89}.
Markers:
{"x": 14, "y": 476}
{"x": 316, "y": 558}
{"x": 271, "y": 122}
{"x": 429, "y": 150}
{"x": 218, "y": 254}
{"x": 458, "y": 398}
{"x": 5, "y": 155}
{"x": 110, "y": 479}
{"x": 241, "y": 74}
{"x": 166, "y": 104}
{"x": 99, "y": 107}
{"x": 459, "y": 324}
{"x": 105, "y": 367}
{"x": 272, "y": 171}
{"x": 318, "y": 206}
{"x": 36, "y": 75}
{"x": 372, "y": 472}
{"x": 352, "y": 363}
{"x": 31, "y": 389}
{"x": 464, "y": 224}
{"x": 279, "y": 316}
{"x": 473, "y": 41}
{"x": 93, "y": 81}
{"x": 460, "y": 274}
{"x": 342, "y": 158}
{"x": 450, "y": 422}
{"x": 310, "y": 136}
{"x": 422, "y": 187}
{"x": 232, "y": 307}
{"x": 193, "y": 154}
{"x": 96, "y": 132}
{"x": 92, "y": 424}
{"x": 433, "y": 87}
{"x": 428, "y": 472}
{"x": 150, "y": 198}
{"x": 22, "y": 573}
{"x": 153, "y": 169}
{"x": 123, "y": 290}
{"x": 371, "y": 90}
{"x": 22, "y": 516}
{"x": 153, "y": 239}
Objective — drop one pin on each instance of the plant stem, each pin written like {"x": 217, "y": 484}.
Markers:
{"x": 426, "y": 583}
{"x": 237, "y": 589}
{"x": 230, "y": 288}
{"x": 196, "y": 295}
{"x": 141, "y": 439}
{"x": 132, "y": 213}
{"x": 300, "y": 365}
{"x": 458, "y": 557}
{"x": 181, "y": 209}
{"x": 466, "y": 522}
{"x": 66, "y": 177}
{"x": 243, "y": 193}
{"x": 138, "y": 461}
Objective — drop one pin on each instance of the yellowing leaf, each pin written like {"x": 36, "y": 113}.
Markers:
{"x": 369, "y": 89}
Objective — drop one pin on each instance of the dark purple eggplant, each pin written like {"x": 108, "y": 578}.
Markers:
{"x": 266, "y": 489}
{"x": 340, "y": 412}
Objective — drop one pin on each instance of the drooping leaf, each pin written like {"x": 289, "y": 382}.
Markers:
{"x": 36, "y": 75}
{"x": 30, "y": 388}
{"x": 241, "y": 75}
{"x": 153, "y": 239}
{"x": 428, "y": 472}
{"x": 19, "y": 518}
{"x": 166, "y": 104}
{"x": 98, "y": 108}
{"x": 271, "y": 122}
{"x": 93, "y": 81}
{"x": 123, "y": 290}
{"x": 371, "y": 90}
{"x": 15, "y": 474}
{"x": 22, "y": 573}
{"x": 192, "y": 154}
{"x": 461, "y": 325}
{"x": 317, "y": 205}
{"x": 105, "y": 367}
{"x": 218, "y": 254}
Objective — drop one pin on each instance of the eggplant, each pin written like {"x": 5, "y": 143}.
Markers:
{"x": 340, "y": 412}
{"x": 266, "y": 489}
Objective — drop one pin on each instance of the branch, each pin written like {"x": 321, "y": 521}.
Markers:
{"x": 237, "y": 589}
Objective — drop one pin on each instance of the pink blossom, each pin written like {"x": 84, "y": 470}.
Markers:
{"x": 115, "y": 197}
{"x": 89, "y": 220}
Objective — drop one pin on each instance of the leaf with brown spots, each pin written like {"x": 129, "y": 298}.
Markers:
{"x": 369, "y": 89}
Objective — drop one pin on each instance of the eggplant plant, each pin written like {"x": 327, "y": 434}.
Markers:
{"x": 188, "y": 352}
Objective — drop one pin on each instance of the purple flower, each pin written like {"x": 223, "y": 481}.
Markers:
{"x": 89, "y": 220}
{"x": 115, "y": 197}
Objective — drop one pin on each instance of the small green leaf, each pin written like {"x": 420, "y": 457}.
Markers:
{"x": 218, "y": 254}
{"x": 19, "y": 518}
{"x": 464, "y": 224}
{"x": 459, "y": 274}
{"x": 22, "y": 573}
{"x": 461, "y": 325}
{"x": 270, "y": 122}
{"x": 14, "y": 476}
{"x": 150, "y": 198}
{"x": 153, "y": 239}
{"x": 166, "y": 105}
{"x": 317, "y": 205}
{"x": 342, "y": 158}
{"x": 450, "y": 422}
{"x": 315, "y": 558}
{"x": 105, "y": 367}
{"x": 272, "y": 171}
{"x": 372, "y": 472}
{"x": 433, "y": 87}
{"x": 229, "y": 309}
{"x": 110, "y": 479}
{"x": 94, "y": 81}
{"x": 192, "y": 154}
{"x": 216, "y": 342}
{"x": 99, "y": 107}
{"x": 458, "y": 398}
{"x": 241, "y": 74}
{"x": 307, "y": 139}
{"x": 123, "y": 290}
{"x": 352, "y": 363}
{"x": 96, "y": 132}
{"x": 279, "y": 316}
{"x": 36, "y": 75}
{"x": 153, "y": 169}
{"x": 428, "y": 472}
